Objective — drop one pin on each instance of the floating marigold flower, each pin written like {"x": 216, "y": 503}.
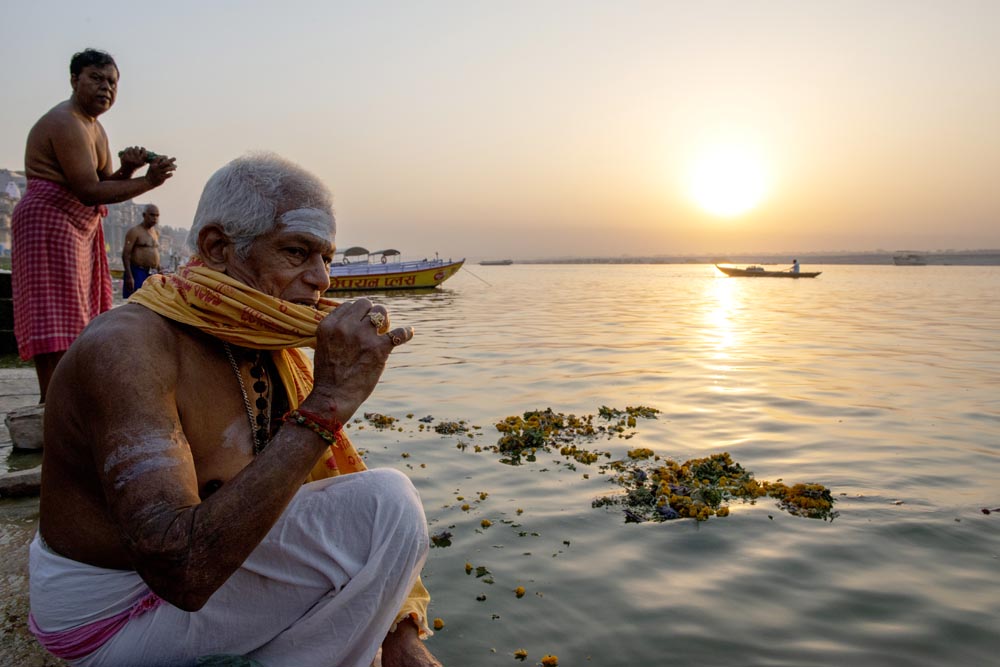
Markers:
{"x": 438, "y": 624}
{"x": 520, "y": 654}
{"x": 468, "y": 568}
{"x": 485, "y": 523}
{"x": 550, "y": 660}
{"x": 519, "y": 591}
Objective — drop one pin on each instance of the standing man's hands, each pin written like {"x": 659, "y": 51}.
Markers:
{"x": 132, "y": 158}
{"x": 353, "y": 344}
{"x": 160, "y": 169}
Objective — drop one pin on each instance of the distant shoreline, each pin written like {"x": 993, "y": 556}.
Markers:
{"x": 958, "y": 258}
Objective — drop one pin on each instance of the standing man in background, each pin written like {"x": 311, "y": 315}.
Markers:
{"x": 141, "y": 253}
{"x": 60, "y": 270}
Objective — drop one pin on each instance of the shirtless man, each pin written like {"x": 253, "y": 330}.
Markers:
{"x": 173, "y": 507}
{"x": 141, "y": 252}
{"x": 60, "y": 275}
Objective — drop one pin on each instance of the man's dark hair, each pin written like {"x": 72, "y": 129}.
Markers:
{"x": 90, "y": 57}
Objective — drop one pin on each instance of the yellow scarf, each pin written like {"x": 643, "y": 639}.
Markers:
{"x": 236, "y": 313}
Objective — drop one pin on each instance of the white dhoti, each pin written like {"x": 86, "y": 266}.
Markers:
{"x": 322, "y": 589}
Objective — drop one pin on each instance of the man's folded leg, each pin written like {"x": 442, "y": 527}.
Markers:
{"x": 322, "y": 589}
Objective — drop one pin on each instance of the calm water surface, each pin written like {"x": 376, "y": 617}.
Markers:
{"x": 880, "y": 382}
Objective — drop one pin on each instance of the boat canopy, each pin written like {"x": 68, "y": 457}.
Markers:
{"x": 356, "y": 251}
{"x": 389, "y": 252}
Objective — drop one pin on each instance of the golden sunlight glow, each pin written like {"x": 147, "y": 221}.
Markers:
{"x": 728, "y": 180}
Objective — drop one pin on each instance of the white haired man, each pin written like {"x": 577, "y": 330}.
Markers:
{"x": 174, "y": 520}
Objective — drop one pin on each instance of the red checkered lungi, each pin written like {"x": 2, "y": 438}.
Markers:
{"x": 61, "y": 279}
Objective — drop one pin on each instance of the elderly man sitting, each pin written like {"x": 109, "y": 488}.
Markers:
{"x": 179, "y": 431}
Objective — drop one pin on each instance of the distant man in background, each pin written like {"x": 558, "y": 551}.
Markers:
{"x": 795, "y": 266}
{"x": 60, "y": 271}
{"x": 141, "y": 252}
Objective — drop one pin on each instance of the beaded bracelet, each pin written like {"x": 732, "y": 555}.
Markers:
{"x": 329, "y": 430}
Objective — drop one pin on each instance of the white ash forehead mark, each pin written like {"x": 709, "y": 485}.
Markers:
{"x": 310, "y": 221}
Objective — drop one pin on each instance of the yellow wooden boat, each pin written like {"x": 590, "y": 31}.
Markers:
{"x": 359, "y": 269}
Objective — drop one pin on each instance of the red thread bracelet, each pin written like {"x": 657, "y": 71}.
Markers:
{"x": 329, "y": 430}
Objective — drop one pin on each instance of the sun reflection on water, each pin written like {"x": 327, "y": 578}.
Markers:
{"x": 722, "y": 305}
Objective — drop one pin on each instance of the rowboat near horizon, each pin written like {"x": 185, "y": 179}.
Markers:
{"x": 760, "y": 272}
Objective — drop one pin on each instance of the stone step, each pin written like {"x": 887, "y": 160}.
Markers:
{"x": 25, "y": 427}
{"x": 20, "y": 483}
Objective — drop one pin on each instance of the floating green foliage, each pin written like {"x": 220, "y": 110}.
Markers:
{"x": 442, "y": 539}
{"x": 451, "y": 428}
{"x": 544, "y": 429}
{"x": 654, "y": 489}
{"x": 703, "y": 487}
{"x": 380, "y": 421}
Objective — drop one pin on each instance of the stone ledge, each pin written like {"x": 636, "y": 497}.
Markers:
{"x": 25, "y": 427}
{"x": 21, "y": 483}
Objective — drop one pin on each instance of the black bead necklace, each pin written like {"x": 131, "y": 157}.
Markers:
{"x": 261, "y": 422}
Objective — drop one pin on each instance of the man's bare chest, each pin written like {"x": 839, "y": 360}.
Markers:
{"x": 229, "y": 411}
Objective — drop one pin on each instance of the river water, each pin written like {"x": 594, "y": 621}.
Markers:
{"x": 879, "y": 382}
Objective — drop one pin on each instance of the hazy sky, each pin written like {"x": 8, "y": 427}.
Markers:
{"x": 540, "y": 129}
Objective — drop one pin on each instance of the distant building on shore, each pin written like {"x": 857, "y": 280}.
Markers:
{"x": 12, "y": 184}
{"x": 121, "y": 217}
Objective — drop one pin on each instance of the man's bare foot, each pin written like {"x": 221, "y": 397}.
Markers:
{"x": 404, "y": 648}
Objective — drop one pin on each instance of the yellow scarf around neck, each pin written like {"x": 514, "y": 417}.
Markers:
{"x": 236, "y": 313}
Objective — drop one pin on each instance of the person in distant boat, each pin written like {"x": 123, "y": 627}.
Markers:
{"x": 196, "y": 499}
{"x": 60, "y": 270}
{"x": 141, "y": 252}
{"x": 795, "y": 266}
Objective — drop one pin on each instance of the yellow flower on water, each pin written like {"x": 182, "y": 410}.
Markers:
{"x": 468, "y": 568}
{"x": 722, "y": 511}
{"x": 465, "y": 507}
{"x": 438, "y": 624}
{"x": 520, "y": 654}
{"x": 485, "y": 523}
{"x": 519, "y": 591}
{"x": 550, "y": 660}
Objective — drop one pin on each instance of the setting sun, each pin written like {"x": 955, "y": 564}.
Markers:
{"x": 727, "y": 181}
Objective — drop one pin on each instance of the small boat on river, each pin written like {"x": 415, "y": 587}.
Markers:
{"x": 904, "y": 258}
{"x": 761, "y": 272}
{"x": 359, "y": 269}
{"x": 496, "y": 262}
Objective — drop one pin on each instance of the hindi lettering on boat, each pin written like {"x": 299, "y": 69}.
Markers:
{"x": 360, "y": 269}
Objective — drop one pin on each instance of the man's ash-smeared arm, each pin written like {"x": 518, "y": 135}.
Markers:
{"x": 186, "y": 548}
{"x": 183, "y": 547}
